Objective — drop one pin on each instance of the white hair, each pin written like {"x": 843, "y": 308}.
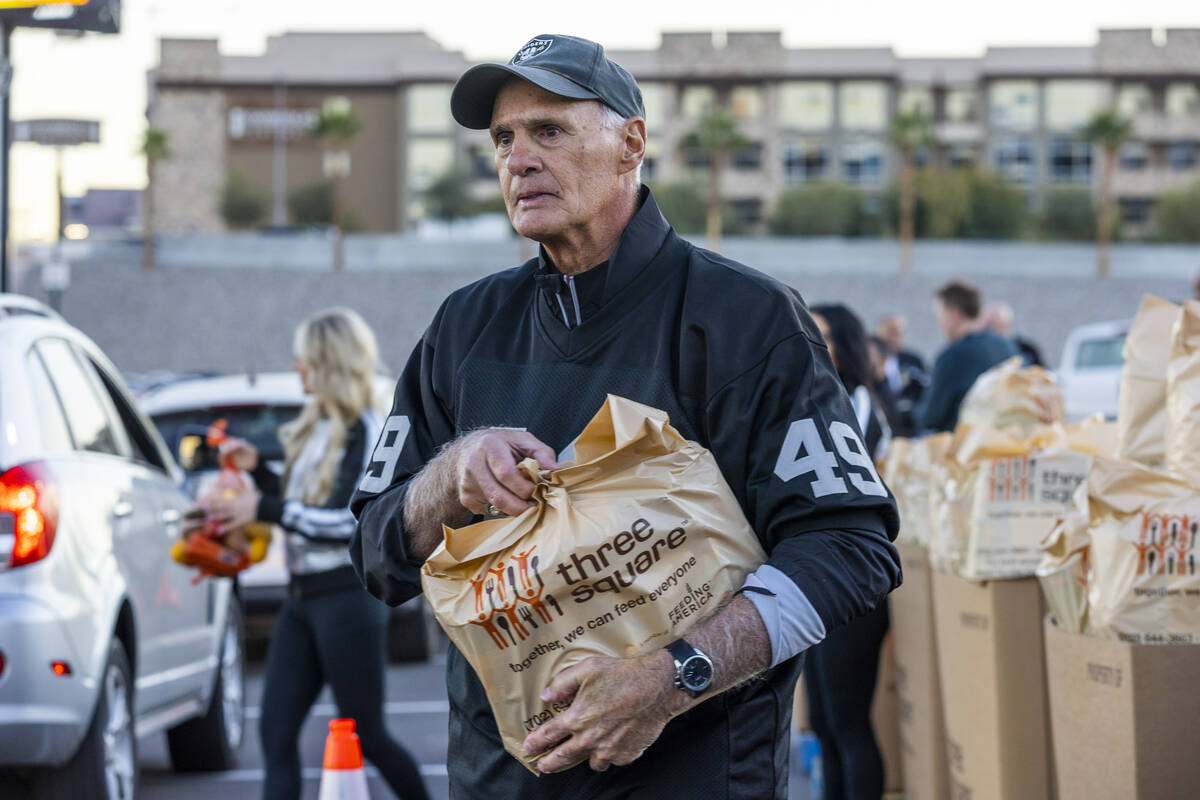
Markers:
{"x": 611, "y": 119}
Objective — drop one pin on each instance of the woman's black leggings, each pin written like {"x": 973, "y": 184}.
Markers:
{"x": 336, "y": 638}
{"x": 839, "y": 674}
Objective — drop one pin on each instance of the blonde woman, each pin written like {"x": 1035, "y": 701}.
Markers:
{"x": 329, "y": 631}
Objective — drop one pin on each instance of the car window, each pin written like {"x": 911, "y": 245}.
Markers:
{"x": 1103, "y": 352}
{"x": 257, "y": 424}
{"x": 141, "y": 443}
{"x": 55, "y": 436}
{"x": 92, "y": 425}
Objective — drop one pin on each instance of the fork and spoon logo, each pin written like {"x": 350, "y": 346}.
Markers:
{"x": 510, "y": 598}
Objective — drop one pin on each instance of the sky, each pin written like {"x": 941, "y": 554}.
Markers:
{"x": 104, "y": 76}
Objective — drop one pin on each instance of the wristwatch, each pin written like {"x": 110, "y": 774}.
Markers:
{"x": 693, "y": 669}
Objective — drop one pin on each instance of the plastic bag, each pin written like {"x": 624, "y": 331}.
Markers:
{"x": 624, "y": 552}
{"x": 1141, "y": 408}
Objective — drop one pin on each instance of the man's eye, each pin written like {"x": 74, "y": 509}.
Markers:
{"x": 503, "y": 140}
{"x": 551, "y": 131}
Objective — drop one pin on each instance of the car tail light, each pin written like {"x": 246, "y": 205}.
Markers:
{"x": 29, "y": 510}
{"x": 1, "y": 662}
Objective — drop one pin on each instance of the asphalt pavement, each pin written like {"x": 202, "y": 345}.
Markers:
{"x": 416, "y": 715}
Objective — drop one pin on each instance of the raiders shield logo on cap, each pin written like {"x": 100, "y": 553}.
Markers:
{"x": 532, "y": 48}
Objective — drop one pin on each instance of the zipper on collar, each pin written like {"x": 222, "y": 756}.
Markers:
{"x": 569, "y": 280}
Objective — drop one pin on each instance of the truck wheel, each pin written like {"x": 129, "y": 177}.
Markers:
{"x": 105, "y": 766}
{"x": 210, "y": 743}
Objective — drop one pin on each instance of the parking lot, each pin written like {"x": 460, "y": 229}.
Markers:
{"x": 416, "y": 714}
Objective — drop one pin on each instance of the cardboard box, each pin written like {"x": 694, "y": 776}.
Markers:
{"x": 885, "y": 719}
{"x": 922, "y": 732}
{"x": 989, "y": 644}
{"x": 1124, "y": 717}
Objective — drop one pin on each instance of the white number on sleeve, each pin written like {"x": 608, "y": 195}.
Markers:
{"x": 388, "y": 453}
{"x": 843, "y": 436}
{"x": 816, "y": 459}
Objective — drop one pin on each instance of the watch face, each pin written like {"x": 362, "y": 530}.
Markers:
{"x": 696, "y": 673}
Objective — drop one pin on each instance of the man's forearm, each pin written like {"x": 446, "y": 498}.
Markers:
{"x": 432, "y": 501}
{"x": 735, "y": 638}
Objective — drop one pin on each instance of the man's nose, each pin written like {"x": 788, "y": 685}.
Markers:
{"x": 522, "y": 159}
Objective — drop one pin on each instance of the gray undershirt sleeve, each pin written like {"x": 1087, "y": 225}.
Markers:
{"x": 792, "y": 623}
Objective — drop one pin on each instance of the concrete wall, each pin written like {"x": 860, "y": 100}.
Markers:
{"x": 233, "y": 316}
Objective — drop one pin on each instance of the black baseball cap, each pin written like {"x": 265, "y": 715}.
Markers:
{"x": 563, "y": 65}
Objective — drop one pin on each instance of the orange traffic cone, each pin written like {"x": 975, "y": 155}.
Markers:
{"x": 342, "y": 776}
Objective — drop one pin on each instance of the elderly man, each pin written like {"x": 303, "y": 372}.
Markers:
{"x": 514, "y": 365}
{"x": 998, "y": 318}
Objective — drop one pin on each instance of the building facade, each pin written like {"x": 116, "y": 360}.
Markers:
{"x": 809, "y": 115}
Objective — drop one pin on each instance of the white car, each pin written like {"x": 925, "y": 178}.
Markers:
{"x": 1090, "y": 371}
{"x": 103, "y": 638}
{"x": 254, "y": 406}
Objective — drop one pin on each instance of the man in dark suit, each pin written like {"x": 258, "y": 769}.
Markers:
{"x": 903, "y": 372}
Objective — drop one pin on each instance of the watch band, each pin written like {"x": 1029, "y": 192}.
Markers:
{"x": 680, "y": 650}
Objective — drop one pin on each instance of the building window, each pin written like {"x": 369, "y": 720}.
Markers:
{"x": 1069, "y": 104}
{"x": 1134, "y": 99}
{"x": 651, "y": 161}
{"x": 862, "y": 161}
{"x": 654, "y": 98}
{"x": 746, "y": 102}
{"x": 1134, "y": 155}
{"x": 863, "y": 105}
{"x": 696, "y": 102}
{"x": 427, "y": 160}
{"x": 916, "y": 99}
{"x": 961, "y": 154}
{"x": 961, "y": 104}
{"x": 1070, "y": 161}
{"x": 1013, "y": 159}
{"x": 482, "y": 161}
{"x": 1135, "y": 209}
{"x": 427, "y": 108}
{"x": 748, "y": 157}
{"x": 695, "y": 158}
{"x": 805, "y": 160}
{"x": 806, "y": 105}
{"x": 1181, "y": 155}
{"x": 1013, "y": 105}
{"x": 1183, "y": 100}
{"x": 747, "y": 210}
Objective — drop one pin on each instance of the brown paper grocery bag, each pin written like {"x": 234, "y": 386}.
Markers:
{"x": 626, "y": 550}
{"x": 1144, "y": 527}
{"x": 1141, "y": 407}
{"x": 1008, "y": 491}
{"x": 1183, "y": 396}
{"x": 909, "y": 473}
{"x": 1010, "y": 395}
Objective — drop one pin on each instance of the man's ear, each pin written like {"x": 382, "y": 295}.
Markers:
{"x": 633, "y": 144}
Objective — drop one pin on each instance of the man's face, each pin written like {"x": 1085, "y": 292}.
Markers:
{"x": 558, "y": 165}
{"x": 891, "y": 330}
{"x": 948, "y": 318}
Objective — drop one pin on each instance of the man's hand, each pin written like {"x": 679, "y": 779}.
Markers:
{"x": 619, "y": 706}
{"x": 476, "y": 469}
{"x": 486, "y": 469}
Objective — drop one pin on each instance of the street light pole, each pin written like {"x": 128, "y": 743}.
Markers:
{"x": 278, "y": 206}
{"x": 5, "y": 127}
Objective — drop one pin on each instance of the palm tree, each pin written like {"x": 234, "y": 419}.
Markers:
{"x": 716, "y": 136}
{"x": 154, "y": 148}
{"x": 910, "y": 131}
{"x": 1109, "y": 130}
{"x": 335, "y": 126}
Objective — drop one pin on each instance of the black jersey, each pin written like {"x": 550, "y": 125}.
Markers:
{"x": 734, "y": 358}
